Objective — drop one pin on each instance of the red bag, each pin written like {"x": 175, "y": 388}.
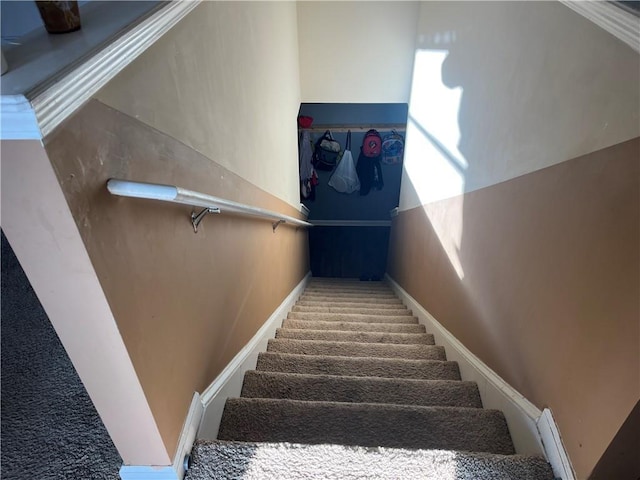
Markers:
{"x": 372, "y": 144}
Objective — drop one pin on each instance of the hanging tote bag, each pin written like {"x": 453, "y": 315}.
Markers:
{"x": 326, "y": 153}
{"x": 344, "y": 178}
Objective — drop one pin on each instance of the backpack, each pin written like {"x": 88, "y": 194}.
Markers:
{"x": 392, "y": 148}
{"x": 371, "y": 144}
{"x": 326, "y": 153}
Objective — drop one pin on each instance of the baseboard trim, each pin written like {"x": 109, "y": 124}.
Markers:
{"x": 554, "y": 447}
{"x": 523, "y": 418}
{"x": 229, "y": 382}
{"x": 175, "y": 471}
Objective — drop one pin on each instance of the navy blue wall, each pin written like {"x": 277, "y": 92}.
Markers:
{"x": 332, "y": 205}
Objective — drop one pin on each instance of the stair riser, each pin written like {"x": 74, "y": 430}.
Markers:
{"x": 360, "y": 337}
{"x": 354, "y": 326}
{"x": 373, "y": 295}
{"x": 324, "y": 388}
{"x": 339, "y": 349}
{"x": 350, "y": 291}
{"x": 377, "y": 306}
{"x": 328, "y": 300}
{"x": 359, "y": 367}
{"x": 265, "y": 420}
{"x": 351, "y": 317}
{"x": 361, "y": 311}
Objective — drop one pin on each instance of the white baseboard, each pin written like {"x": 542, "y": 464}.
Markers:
{"x": 553, "y": 446}
{"x": 523, "y": 418}
{"x": 175, "y": 471}
{"x": 229, "y": 382}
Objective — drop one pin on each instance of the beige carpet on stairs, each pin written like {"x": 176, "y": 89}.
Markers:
{"x": 352, "y": 387}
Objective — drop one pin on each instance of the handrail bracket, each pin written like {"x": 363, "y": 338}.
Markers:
{"x": 275, "y": 225}
{"x": 197, "y": 218}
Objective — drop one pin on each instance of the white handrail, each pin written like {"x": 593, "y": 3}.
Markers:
{"x": 211, "y": 204}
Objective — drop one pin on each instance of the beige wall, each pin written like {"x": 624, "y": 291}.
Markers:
{"x": 44, "y": 236}
{"x": 356, "y": 52}
{"x": 184, "y": 303}
{"x": 543, "y": 287}
{"x": 529, "y": 257}
{"x": 211, "y": 107}
{"x": 225, "y": 82}
{"x": 501, "y": 89}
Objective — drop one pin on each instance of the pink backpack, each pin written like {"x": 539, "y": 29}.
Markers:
{"x": 372, "y": 144}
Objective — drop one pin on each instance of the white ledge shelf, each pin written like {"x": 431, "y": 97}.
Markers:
{"x": 51, "y": 76}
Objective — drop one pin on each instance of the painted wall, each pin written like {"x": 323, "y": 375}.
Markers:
{"x": 356, "y": 52}
{"x": 501, "y": 89}
{"x": 330, "y": 204}
{"x": 206, "y": 108}
{"x": 43, "y": 234}
{"x": 518, "y": 237}
{"x": 225, "y": 82}
{"x": 184, "y": 303}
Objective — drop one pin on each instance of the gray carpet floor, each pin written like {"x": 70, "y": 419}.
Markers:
{"x": 352, "y": 387}
{"x": 50, "y": 429}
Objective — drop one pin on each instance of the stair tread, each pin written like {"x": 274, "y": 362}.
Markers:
{"x": 365, "y": 424}
{"x": 294, "y": 461}
{"x": 356, "y": 336}
{"x": 353, "y": 349}
{"x": 354, "y": 326}
{"x": 358, "y": 366}
{"x": 295, "y": 386}
{"x": 352, "y": 317}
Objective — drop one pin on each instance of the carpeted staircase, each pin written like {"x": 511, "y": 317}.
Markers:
{"x": 353, "y": 387}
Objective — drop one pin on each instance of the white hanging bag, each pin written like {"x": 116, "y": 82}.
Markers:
{"x": 344, "y": 178}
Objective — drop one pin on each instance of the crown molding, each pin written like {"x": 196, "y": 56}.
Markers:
{"x": 57, "y": 98}
{"x": 619, "y": 22}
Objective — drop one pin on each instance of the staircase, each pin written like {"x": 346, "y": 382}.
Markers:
{"x": 353, "y": 387}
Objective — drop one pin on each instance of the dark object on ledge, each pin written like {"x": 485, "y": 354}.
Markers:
{"x": 60, "y": 16}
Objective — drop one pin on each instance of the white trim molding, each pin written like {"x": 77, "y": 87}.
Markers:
{"x": 57, "y": 99}
{"x": 176, "y": 471}
{"x": 351, "y": 223}
{"x": 523, "y": 418}
{"x": 617, "y": 21}
{"x": 554, "y": 447}
{"x": 18, "y": 119}
{"x": 229, "y": 382}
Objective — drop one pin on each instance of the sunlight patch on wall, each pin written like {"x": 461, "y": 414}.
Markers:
{"x": 434, "y": 168}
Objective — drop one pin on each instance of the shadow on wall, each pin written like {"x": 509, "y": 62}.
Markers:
{"x": 519, "y": 251}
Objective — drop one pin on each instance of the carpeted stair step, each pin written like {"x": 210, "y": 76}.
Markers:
{"x": 372, "y": 299}
{"x": 368, "y": 306}
{"x": 352, "y": 317}
{"x": 357, "y": 310}
{"x": 351, "y": 286}
{"x": 350, "y": 291}
{"x": 340, "y": 294}
{"x": 352, "y": 349}
{"x": 355, "y": 326}
{"x": 360, "y": 337}
{"x": 358, "y": 366}
{"x": 330, "y": 388}
{"x": 345, "y": 282}
{"x": 365, "y": 424}
{"x": 276, "y": 461}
